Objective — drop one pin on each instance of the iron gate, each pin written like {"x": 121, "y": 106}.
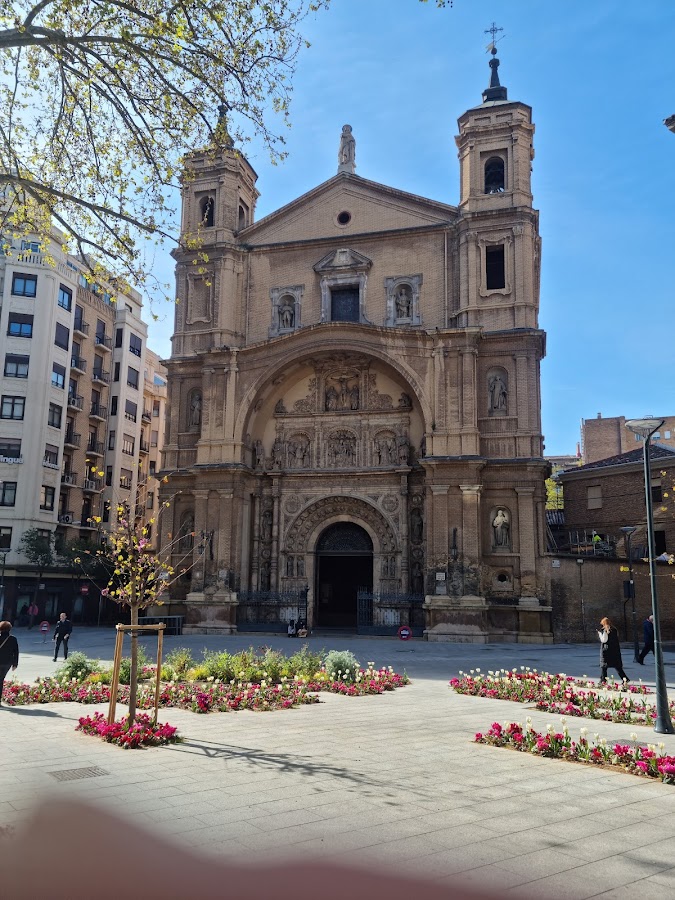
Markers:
{"x": 382, "y": 613}
{"x": 270, "y": 610}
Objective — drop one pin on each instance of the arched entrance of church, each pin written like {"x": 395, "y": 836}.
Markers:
{"x": 344, "y": 564}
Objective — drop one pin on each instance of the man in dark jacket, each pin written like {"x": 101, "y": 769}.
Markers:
{"x": 9, "y": 653}
{"x": 648, "y": 633}
{"x": 62, "y": 632}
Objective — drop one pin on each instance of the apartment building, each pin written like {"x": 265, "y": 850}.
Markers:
{"x": 151, "y": 442}
{"x": 71, "y": 412}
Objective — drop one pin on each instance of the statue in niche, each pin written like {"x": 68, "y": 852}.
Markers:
{"x": 279, "y": 407}
{"x": 347, "y": 151}
{"x": 266, "y": 526}
{"x": 405, "y": 401}
{"x": 417, "y": 578}
{"x": 259, "y": 455}
{"x": 277, "y": 453}
{"x": 265, "y": 577}
{"x": 423, "y": 447}
{"x": 290, "y": 567}
{"x": 416, "y": 526}
{"x": 403, "y": 450}
{"x": 300, "y": 567}
{"x": 388, "y": 567}
{"x": 497, "y": 395}
{"x": 501, "y": 529}
{"x": 187, "y": 531}
{"x": 379, "y": 451}
{"x": 403, "y": 303}
{"x": 341, "y": 451}
{"x": 196, "y": 409}
{"x": 298, "y": 454}
{"x": 287, "y": 313}
{"x": 354, "y": 397}
{"x": 331, "y": 399}
{"x": 391, "y": 451}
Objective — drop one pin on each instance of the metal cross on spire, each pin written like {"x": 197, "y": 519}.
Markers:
{"x": 493, "y": 30}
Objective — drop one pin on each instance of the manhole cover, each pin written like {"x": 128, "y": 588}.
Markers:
{"x": 75, "y": 774}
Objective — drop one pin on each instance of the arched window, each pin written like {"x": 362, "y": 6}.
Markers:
{"x": 206, "y": 210}
{"x": 243, "y": 216}
{"x": 494, "y": 175}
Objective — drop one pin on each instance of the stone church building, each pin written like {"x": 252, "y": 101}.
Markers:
{"x": 354, "y": 434}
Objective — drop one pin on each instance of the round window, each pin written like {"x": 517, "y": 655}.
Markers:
{"x": 344, "y": 218}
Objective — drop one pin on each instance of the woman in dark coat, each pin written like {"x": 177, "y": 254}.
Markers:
{"x": 610, "y": 651}
{"x": 9, "y": 653}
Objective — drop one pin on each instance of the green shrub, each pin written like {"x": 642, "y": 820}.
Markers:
{"x": 180, "y": 660}
{"x": 304, "y": 662}
{"x": 341, "y": 665}
{"x": 218, "y": 665}
{"x": 125, "y": 666}
{"x": 103, "y": 676}
{"x": 78, "y": 666}
{"x": 168, "y": 673}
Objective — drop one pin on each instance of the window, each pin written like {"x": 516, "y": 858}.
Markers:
{"x": 666, "y": 435}
{"x": 594, "y": 496}
{"x": 5, "y": 538}
{"x": 54, "y": 417}
{"x": 660, "y": 542}
{"x": 31, "y": 246}
{"x": 111, "y": 440}
{"x": 62, "y": 336}
{"x": 113, "y": 406}
{"x": 116, "y": 372}
{"x": 98, "y": 366}
{"x": 108, "y": 476}
{"x": 128, "y": 444}
{"x": 344, "y": 305}
{"x": 495, "y": 275}
{"x": 130, "y": 411}
{"x": 51, "y": 457}
{"x": 119, "y": 337}
{"x": 24, "y": 285}
{"x": 150, "y": 500}
{"x": 135, "y": 344}
{"x": 494, "y": 175}
{"x": 125, "y": 478}
{"x": 20, "y": 325}
{"x": 152, "y": 467}
{"x": 148, "y": 531}
{"x": 7, "y": 493}
{"x": 154, "y": 437}
{"x": 243, "y": 215}
{"x": 132, "y": 377}
{"x": 155, "y": 407}
{"x": 58, "y": 376}
{"x": 65, "y": 300}
{"x": 657, "y": 490}
{"x": 16, "y": 366}
{"x": 10, "y": 448}
{"x": 106, "y": 505}
{"x": 206, "y": 207}
{"x": 79, "y": 318}
{"x": 12, "y": 407}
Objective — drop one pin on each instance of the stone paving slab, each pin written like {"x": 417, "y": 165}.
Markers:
{"x": 393, "y": 781}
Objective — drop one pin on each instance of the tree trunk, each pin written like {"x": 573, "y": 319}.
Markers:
{"x": 133, "y": 678}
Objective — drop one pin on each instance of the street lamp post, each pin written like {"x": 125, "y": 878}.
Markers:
{"x": 628, "y": 532}
{"x": 663, "y": 725}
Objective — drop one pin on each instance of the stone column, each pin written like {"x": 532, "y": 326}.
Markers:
{"x": 471, "y": 542}
{"x": 523, "y": 405}
{"x": 208, "y": 404}
{"x": 201, "y": 524}
{"x": 255, "y": 561}
{"x": 469, "y": 429}
{"x": 527, "y": 531}
{"x": 231, "y": 397}
{"x": 404, "y": 532}
{"x": 274, "y": 561}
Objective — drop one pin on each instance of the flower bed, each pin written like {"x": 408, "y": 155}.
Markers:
{"x": 560, "y": 694}
{"x": 643, "y": 760}
{"x": 143, "y": 733}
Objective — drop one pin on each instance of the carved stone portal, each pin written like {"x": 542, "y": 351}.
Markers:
{"x": 298, "y": 530}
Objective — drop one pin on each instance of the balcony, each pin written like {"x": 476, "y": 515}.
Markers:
{"x": 101, "y": 375}
{"x": 140, "y": 510}
{"x": 130, "y": 417}
{"x": 98, "y": 411}
{"x": 79, "y": 364}
{"x": 75, "y": 401}
{"x": 81, "y": 327}
{"x": 125, "y": 482}
{"x": 143, "y": 446}
{"x": 51, "y": 461}
{"x": 146, "y": 415}
{"x": 104, "y": 342}
{"x": 69, "y": 479}
{"x": 95, "y": 448}
{"x": 92, "y": 485}
{"x": 72, "y": 439}
{"x": 66, "y": 518}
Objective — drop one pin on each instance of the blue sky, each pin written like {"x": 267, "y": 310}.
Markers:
{"x": 599, "y": 76}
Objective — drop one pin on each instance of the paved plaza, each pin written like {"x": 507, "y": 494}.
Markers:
{"x": 391, "y": 781}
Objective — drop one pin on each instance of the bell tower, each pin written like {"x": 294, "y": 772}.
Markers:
{"x": 218, "y": 202}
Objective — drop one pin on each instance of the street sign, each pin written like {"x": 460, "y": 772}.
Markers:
{"x": 405, "y": 632}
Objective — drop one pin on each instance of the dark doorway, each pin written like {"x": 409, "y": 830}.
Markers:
{"x": 344, "y": 564}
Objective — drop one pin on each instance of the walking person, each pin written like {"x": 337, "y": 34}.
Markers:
{"x": 648, "y": 634}
{"x": 610, "y": 651}
{"x": 62, "y": 632}
{"x": 9, "y": 653}
{"x": 33, "y": 611}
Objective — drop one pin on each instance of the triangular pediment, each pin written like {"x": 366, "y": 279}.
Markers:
{"x": 343, "y": 259}
{"x": 371, "y": 208}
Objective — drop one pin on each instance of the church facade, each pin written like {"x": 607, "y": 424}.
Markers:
{"x": 354, "y": 398}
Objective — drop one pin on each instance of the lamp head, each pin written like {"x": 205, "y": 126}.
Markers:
{"x": 644, "y": 427}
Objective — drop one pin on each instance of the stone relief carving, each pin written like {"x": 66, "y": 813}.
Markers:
{"x": 300, "y": 528}
{"x": 298, "y": 450}
{"x": 417, "y": 578}
{"x": 308, "y": 404}
{"x": 347, "y": 151}
{"x": 402, "y": 300}
{"x": 342, "y": 393}
{"x": 259, "y": 451}
{"x": 199, "y": 300}
{"x": 286, "y": 313}
{"x": 292, "y": 504}
{"x": 265, "y": 572}
{"x": 341, "y": 450}
{"x": 195, "y": 411}
{"x": 497, "y": 393}
{"x": 390, "y": 503}
{"x": 416, "y": 526}
{"x": 386, "y": 453}
{"x": 403, "y": 449}
{"x": 375, "y": 399}
{"x": 388, "y": 567}
{"x": 501, "y": 529}
{"x": 405, "y": 401}
{"x": 286, "y": 306}
{"x": 266, "y": 526}
{"x": 279, "y": 408}
{"x": 277, "y": 453}
{"x": 187, "y": 534}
